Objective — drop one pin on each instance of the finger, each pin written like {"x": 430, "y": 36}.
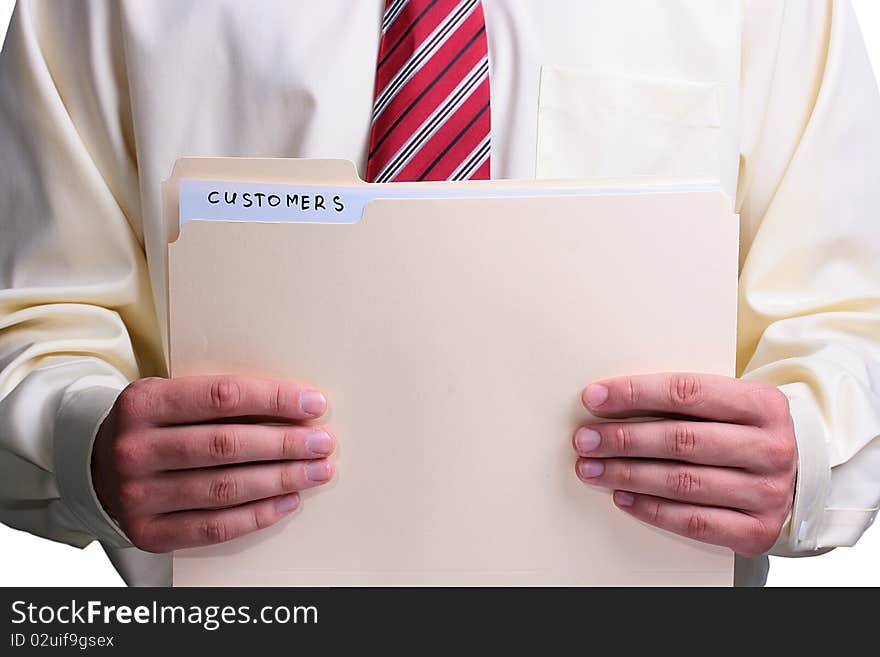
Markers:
{"x": 742, "y": 533}
{"x": 708, "y": 443}
{"x": 196, "y": 399}
{"x": 706, "y": 396}
{"x": 186, "y": 529}
{"x": 724, "y": 487}
{"x": 215, "y": 488}
{"x": 208, "y": 445}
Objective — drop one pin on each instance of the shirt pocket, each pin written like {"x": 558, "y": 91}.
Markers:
{"x": 594, "y": 126}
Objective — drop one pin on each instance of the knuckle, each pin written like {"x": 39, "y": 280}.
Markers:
{"x": 224, "y": 394}
{"x": 681, "y": 440}
{"x": 769, "y": 490}
{"x": 625, "y": 475}
{"x": 631, "y": 389}
{"x": 697, "y": 526}
{"x": 127, "y": 400}
{"x": 125, "y": 454}
{"x": 141, "y": 536}
{"x": 279, "y": 401}
{"x": 223, "y": 490}
{"x": 287, "y": 478}
{"x": 685, "y": 390}
{"x": 622, "y": 439}
{"x": 132, "y": 495}
{"x": 780, "y": 453}
{"x": 774, "y": 494}
{"x": 759, "y": 538}
{"x": 774, "y": 402}
{"x": 655, "y": 512}
{"x": 140, "y": 399}
{"x": 683, "y": 482}
{"x": 260, "y": 520}
{"x": 213, "y": 531}
{"x": 225, "y": 445}
{"x": 288, "y": 444}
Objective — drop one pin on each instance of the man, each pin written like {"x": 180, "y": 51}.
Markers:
{"x": 97, "y": 99}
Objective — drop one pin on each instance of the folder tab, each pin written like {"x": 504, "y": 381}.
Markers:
{"x": 334, "y": 204}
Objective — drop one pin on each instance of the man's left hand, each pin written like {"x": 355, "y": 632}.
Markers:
{"x": 720, "y": 468}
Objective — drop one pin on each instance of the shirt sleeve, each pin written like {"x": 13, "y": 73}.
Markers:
{"x": 809, "y": 200}
{"x": 76, "y": 316}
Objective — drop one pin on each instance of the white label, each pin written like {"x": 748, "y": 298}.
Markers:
{"x": 333, "y": 204}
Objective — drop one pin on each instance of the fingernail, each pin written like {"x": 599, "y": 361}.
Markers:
{"x": 586, "y": 440}
{"x": 312, "y": 402}
{"x": 596, "y": 395}
{"x": 317, "y": 471}
{"x": 590, "y": 469}
{"x": 319, "y": 442}
{"x": 287, "y": 503}
{"x": 622, "y": 498}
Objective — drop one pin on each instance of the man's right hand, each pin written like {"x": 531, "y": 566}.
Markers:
{"x": 199, "y": 460}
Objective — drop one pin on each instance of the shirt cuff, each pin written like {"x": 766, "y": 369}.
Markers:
{"x": 79, "y": 417}
{"x": 801, "y": 532}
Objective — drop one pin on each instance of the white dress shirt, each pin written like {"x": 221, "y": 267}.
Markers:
{"x": 774, "y": 98}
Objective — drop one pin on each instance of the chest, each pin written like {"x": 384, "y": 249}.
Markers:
{"x": 599, "y": 88}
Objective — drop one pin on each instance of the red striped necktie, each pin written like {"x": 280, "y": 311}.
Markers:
{"x": 431, "y": 115}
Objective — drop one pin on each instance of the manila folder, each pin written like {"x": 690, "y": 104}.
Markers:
{"x": 453, "y": 338}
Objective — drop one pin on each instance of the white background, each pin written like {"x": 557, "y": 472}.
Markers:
{"x": 29, "y": 561}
